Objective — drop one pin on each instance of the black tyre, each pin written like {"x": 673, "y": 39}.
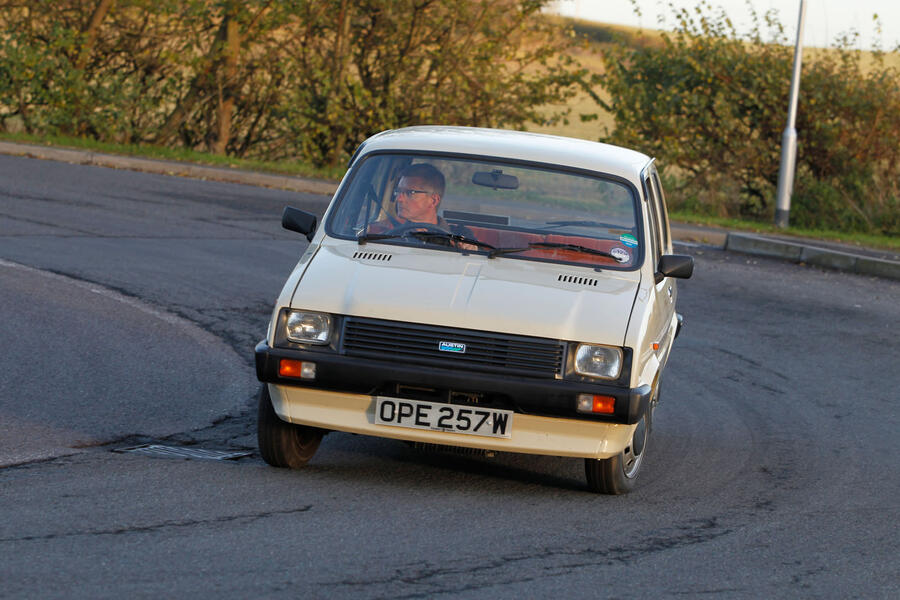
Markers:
{"x": 617, "y": 475}
{"x": 283, "y": 444}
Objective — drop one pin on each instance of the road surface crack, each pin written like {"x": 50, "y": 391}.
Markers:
{"x": 428, "y": 580}
{"x": 162, "y": 526}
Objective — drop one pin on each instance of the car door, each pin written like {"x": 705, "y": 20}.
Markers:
{"x": 664, "y": 291}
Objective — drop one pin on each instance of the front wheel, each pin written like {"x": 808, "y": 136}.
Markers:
{"x": 617, "y": 475}
{"x": 283, "y": 444}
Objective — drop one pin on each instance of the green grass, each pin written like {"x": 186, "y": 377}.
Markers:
{"x": 285, "y": 167}
{"x": 859, "y": 239}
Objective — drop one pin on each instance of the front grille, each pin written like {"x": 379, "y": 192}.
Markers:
{"x": 484, "y": 350}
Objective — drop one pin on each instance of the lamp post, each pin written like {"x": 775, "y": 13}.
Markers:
{"x": 789, "y": 138}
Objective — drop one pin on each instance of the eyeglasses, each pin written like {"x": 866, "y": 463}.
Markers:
{"x": 409, "y": 192}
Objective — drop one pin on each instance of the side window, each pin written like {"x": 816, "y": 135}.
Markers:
{"x": 654, "y": 222}
{"x": 364, "y": 198}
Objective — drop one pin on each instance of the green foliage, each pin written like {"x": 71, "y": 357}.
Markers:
{"x": 362, "y": 67}
{"x": 276, "y": 79}
{"x": 712, "y": 106}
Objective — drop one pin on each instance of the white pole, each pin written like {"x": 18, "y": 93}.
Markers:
{"x": 789, "y": 138}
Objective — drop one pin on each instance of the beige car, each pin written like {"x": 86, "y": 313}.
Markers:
{"x": 478, "y": 289}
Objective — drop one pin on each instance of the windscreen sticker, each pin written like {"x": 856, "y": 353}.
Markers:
{"x": 620, "y": 254}
{"x": 629, "y": 240}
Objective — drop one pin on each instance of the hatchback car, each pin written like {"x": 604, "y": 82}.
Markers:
{"x": 478, "y": 289}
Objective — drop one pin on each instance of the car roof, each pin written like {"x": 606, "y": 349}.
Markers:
{"x": 513, "y": 145}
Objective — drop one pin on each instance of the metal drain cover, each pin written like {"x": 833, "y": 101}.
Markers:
{"x": 159, "y": 450}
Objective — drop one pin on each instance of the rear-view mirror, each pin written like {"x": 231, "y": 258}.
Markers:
{"x": 495, "y": 179}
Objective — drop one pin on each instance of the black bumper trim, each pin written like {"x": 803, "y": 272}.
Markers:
{"x": 535, "y": 396}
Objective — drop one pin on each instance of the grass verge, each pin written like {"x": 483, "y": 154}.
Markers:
{"x": 283, "y": 167}
{"x": 856, "y": 239}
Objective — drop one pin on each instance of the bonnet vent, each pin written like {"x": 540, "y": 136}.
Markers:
{"x": 378, "y": 256}
{"x": 577, "y": 280}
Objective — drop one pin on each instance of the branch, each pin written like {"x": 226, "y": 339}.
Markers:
{"x": 90, "y": 32}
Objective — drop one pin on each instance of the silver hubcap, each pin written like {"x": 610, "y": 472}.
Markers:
{"x": 634, "y": 452}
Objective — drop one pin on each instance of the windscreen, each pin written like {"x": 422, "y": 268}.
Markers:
{"x": 504, "y": 210}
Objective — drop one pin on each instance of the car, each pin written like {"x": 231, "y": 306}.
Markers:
{"x": 480, "y": 290}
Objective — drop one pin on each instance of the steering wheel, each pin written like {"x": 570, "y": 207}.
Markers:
{"x": 414, "y": 226}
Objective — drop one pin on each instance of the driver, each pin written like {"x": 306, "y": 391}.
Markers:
{"x": 418, "y": 195}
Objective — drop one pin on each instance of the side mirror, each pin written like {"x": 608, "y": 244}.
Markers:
{"x": 294, "y": 219}
{"x": 675, "y": 265}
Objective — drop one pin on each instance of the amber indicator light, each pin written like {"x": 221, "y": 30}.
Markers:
{"x": 604, "y": 404}
{"x": 290, "y": 368}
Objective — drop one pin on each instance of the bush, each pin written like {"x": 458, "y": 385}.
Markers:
{"x": 712, "y": 105}
{"x": 273, "y": 80}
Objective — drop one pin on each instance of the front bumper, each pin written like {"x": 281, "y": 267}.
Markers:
{"x": 367, "y": 377}
{"x": 355, "y": 413}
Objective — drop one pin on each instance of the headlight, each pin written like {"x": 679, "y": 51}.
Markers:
{"x": 604, "y": 362}
{"x": 308, "y": 327}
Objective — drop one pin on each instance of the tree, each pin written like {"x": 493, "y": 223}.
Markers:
{"x": 274, "y": 79}
{"x": 93, "y": 68}
{"x": 218, "y": 79}
{"x": 366, "y": 66}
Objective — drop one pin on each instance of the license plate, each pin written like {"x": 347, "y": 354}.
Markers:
{"x": 434, "y": 416}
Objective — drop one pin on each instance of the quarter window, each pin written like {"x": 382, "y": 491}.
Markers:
{"x": 662, "y": 213}
{"x": 655, "y": 237}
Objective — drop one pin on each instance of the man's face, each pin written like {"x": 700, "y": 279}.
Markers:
{"x": 416, "y": 200}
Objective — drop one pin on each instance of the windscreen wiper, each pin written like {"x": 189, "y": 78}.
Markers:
{"x": 428, "y": 234}
{"x": 454, "y": 237}
{"x": 553, "y": 245}
{"x": 368, "y": 237}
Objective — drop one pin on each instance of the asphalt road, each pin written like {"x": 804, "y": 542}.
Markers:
{"x": 130, "y": 306}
